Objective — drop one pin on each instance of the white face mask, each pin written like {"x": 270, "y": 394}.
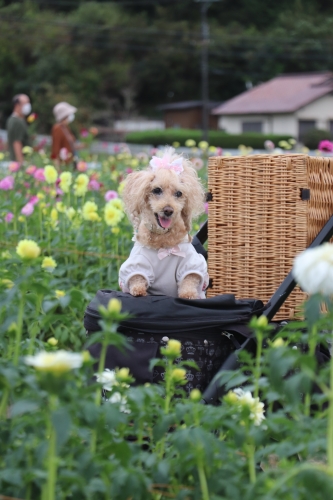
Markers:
{"x": 26, "y": 108}
{"x": 71, "y": 118}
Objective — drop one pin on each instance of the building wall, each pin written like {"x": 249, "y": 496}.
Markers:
{"x": 187, "y": 118}
{"x": 321, "y": 111}
{"x": 271, "y": 124}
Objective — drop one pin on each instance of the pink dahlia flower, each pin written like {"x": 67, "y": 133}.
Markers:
{"x": 110, "y": 195}
{"x": 14, "y": 166}
{"x": 82, "y": 166}
{"x": 39, "y": 175}
{"x": 94, "y": 185}
{"x": 9, "y": 217}
{"x": 326, "y": 146}
{"x": 31, "y": 170}
{"x": 33, "y": 200}
{"x": 7, "y": 183}
{"x": 27, "y": 209}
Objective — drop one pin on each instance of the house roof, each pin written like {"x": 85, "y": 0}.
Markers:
{"x": 283, "y": 94}
{"x": 187, "y": 105}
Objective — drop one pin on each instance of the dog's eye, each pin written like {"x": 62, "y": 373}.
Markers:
{"x": 178, "y": 194}
{"x": 157, "y": 191}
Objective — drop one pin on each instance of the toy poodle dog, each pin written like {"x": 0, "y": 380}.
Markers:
{"x": 161, "y": 203}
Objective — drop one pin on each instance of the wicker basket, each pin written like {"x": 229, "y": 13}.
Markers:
{"x": 265, "y": 209}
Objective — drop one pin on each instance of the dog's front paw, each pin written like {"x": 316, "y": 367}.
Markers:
{"x": 188, "y": 295}
{"x": 138, "y": 291}
{"x": 138, "y": 286}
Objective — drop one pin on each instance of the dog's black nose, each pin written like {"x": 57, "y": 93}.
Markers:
{"x": 168, "y": 211}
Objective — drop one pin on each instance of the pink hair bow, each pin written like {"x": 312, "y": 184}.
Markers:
{"x": 176, "y": 165}
{"x": 165, "y": 252}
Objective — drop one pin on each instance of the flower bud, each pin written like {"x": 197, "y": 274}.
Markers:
{"x": 173, "y": 349}
{"x": 7, "y": 283}
{"x": 86, "y": 356}
{"x": 231, "y": 398}
{"x": 178, "y": 375}
{"x": 114, "y": 306}
{"x": 123, "y": 375}
{"x": 262, "y": 322}
{"x": 195, "y": 395}
{"x": 52, "y": 341}
{"x": 279, "y": 342}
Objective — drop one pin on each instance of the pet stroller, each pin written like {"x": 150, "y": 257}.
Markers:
{"x": 212, "y": 331}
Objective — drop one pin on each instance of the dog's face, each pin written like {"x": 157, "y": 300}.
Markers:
{"x": 163, "y": 200}
{"x": 166, "y": 199}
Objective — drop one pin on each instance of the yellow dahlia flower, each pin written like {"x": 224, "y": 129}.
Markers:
{"x": 54, "y": 214}
{"x": 81, "y": 185}
{"x": 50, "y": 173}
{"x": 117, "y": 202}
{"x": 28, "y": 249}
{"x": 112, "y": 215}
{"x": 60, "y": 206}
{"x": 65, "y": 181}
{"x": 49, "y": 263}
{"x": 70, "y": 212}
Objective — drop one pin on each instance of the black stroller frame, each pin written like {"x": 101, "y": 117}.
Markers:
{"x": 214, "y": 391}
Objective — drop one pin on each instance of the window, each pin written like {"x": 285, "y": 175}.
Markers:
{"x": 252, "y": 127}
{"x": 304, "y": 126}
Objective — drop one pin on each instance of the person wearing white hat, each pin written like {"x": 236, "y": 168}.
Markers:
{"x": 63, "y": 140}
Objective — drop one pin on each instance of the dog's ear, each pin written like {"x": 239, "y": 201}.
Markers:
{"x": 194, "y": 195}
{"x": 136, "y": 192}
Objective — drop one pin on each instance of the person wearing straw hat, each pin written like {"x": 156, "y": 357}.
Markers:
{"x": 63, "y": 140}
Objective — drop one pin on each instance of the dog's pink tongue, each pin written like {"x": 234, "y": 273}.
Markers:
{"x": 165, "y": 223}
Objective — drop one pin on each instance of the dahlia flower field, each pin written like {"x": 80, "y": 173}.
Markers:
{"x": 71, "y": 429}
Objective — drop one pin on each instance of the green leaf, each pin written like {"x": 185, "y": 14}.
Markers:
{"x": 23, "y": 406}
{"x": 49, "y": 304}
{"x": 62, "y": 424}
{"x": 64, "y": 301}
{"x": 122, "y": 452}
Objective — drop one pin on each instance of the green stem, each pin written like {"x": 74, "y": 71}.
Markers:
{"x": 257, "y": 370}
{"x": 19, "y": 331}
{"x": 100, "y": 255}
{"x": 251, "y": 462}
{"x": 98, "y": 395}
{"x": 202, "y": 479}
{"x": 330, "y": 422}
{"x": 168, "y": 392}
{"x": 40, "y": 224}
{"x": 52, "y": 461}
{"x": 168, "y": 395}
{"x": 4, "y": 403}
{"x": 312, "y": 349}
{"x": 49, "y": 237}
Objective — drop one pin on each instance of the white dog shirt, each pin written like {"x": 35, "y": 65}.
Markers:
{"x": 164, "y": 269}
